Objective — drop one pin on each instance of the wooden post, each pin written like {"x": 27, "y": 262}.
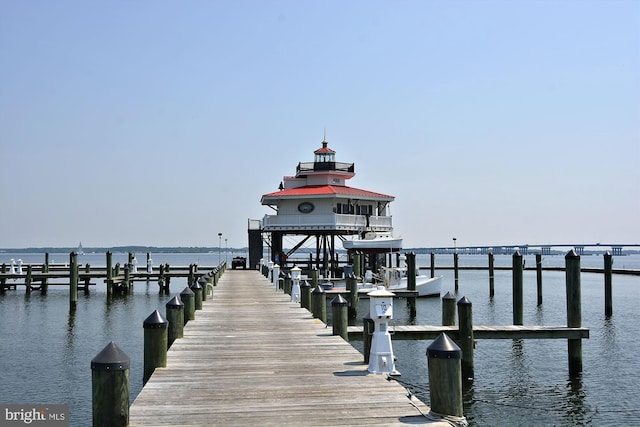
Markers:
{"x": 411, "y": 282}
{"x": 197, "y": 295}
{"x": 167, "y": 279}
{"x": 188, "y": 298}
{"x": 73, "y": 281}
{"x": 109, "y": 275}
{"x": 87, "y": 279}
{"x": 319, "y": 304}
{"x": 216, "y": 274}
{"x": 161, "y": 279}
{"x": 45, "y": 269}
{"x": 455, "y": 270}
{"x": 368, "y": 328}
{"x": 574, "y": 310}
{"x": 465, "y": 338}
{"x": 127, "y": 279}
{"x": 608, "y": 288}
{"x": 517, "y": 289}
{"x": 339, "y": 317}
{"x": 175, "y": 317}
{"x": 27, "y": 280}
{"x": 287, "y": 284}
{"x": 449, "y": 309}
{"x": 190, "y": 278}
{"x": 203, "y": 285}
{"x": 3, "y": 280}
{"x": 110, "y": 387}
{"x": 445, "y": 377}
{"x": 539, "y": 277}
{"x": 155, "y": 344}
{"x": 357, "y": 265}
{"x": 305, "y": 295}
{"x": 492, "y": 291}
{"x": 433, "y": 264}
{"x": 352, "y": 287}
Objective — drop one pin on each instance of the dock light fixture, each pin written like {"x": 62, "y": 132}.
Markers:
{"x": 219, "y": 246}
{"x": 454, "y": 245}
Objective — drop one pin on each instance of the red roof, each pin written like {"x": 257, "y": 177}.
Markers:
{"x": 324, "y": 150}
{"x": 327, "y": 190}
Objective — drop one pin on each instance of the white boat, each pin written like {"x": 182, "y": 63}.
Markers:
{"x": 374, "y": 242}
{"x": 395, "y": 279}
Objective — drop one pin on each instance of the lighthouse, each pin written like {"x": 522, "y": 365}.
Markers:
{"x": 318, "y": 209}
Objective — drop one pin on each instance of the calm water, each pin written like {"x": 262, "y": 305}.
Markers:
{"x": 46, "y": 352}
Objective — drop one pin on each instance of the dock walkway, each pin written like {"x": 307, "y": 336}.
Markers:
{"x": 251, "y": 357}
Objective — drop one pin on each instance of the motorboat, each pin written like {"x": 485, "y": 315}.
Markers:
{"x": 373, "y": 241}
{"x": 396, "y": 279}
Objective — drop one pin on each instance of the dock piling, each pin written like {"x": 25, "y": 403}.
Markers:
{"x": 305, "y": 295}
{"x": 367, "y": 335}
{"x": 73, "y": 281}
{"x": 188, "y": 299}
{"x": 574, "y": 310}
{"x": 492, "y": 290}
{"x": 455, "y": 270}
{"x": 45, "y": 269}
{"x": 433, "y": 264}
{"x": 339, "y": 317}
{"x": 110, "y": 387}
{"x": 608, "y": 288}
{"x": 465, "y": 338}
{"x": 174, "y": 310}
{"x": 109, "y": 274}
{"x": 445, "y": 377}
{"x": 448, "y": 309}
{"x": 155, "y": 344}
{"x": 411, "y": 282}
{"x": 539, "y": 277}
{"x": 27, "y": 280}
{"x": 352, "y": 287}
{"x": 517, "y": 289}
{"x": 319, "y": 304}
{"x": 197, "y": 295}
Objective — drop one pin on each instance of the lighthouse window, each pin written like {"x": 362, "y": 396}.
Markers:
{"x": 345, "y": 208}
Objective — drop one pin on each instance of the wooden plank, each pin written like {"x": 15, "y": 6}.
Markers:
{"x": 251, "y": 357}
{"x": 426, "y": 332}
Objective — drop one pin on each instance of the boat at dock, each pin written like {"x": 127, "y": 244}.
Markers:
{"x": 374, "y": 242}
{"x": 397, "y": 278}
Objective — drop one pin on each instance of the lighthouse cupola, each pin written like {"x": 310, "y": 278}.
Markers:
{"x": 325, "y": 157}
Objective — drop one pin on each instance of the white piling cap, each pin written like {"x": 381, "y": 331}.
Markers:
{"x": 381, "y": 292}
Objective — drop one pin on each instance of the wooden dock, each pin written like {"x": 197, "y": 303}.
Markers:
{"x": 252, "y": 357}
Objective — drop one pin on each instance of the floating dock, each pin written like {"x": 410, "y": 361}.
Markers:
{"x": 252, "y": 357}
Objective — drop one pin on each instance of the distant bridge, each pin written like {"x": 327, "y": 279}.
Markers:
{"x": 544, "y": 249}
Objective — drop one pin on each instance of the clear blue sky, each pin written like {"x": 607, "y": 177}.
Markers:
{"x": 163, "y": 122}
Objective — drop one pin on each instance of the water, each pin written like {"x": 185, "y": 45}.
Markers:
{"x": 45, "y": 353}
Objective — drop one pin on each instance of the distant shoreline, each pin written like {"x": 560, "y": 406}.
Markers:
{"x": 202, "y": 249}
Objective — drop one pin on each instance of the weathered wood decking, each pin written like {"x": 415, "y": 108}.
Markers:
{"x": 251, "y": 357}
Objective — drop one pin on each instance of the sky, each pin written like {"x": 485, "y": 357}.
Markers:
{"x": 162, "y": 123}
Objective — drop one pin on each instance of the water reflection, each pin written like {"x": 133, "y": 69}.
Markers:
{"x": 577, "y": 411}
{"x": 71, "y": 323}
